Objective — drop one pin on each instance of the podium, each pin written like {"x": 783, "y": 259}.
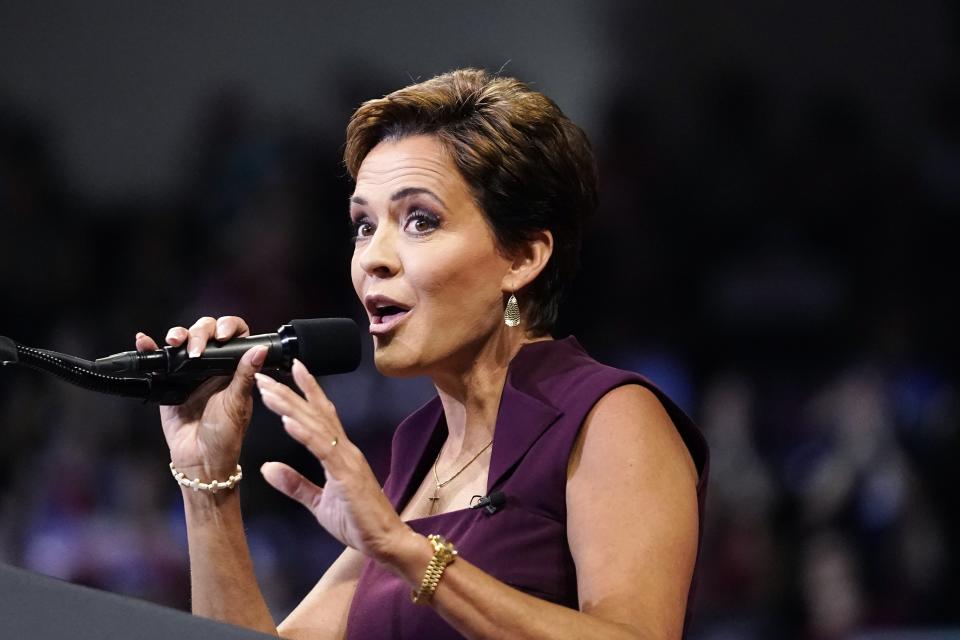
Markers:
{"x": 35, "y": 607}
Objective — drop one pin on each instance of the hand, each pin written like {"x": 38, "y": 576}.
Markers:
{"x": 205, "y": 433}
{"x": 351, "y": 506}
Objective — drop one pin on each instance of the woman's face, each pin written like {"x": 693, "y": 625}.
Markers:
{"x": 425, "y": 266}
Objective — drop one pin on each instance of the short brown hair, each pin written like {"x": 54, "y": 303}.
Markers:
{"x": 528, "y": 166}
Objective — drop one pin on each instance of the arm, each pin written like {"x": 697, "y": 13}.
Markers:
{"x": 323, "y": 613}
{"x": 204, "y": 435}
{"x": 632, "y": 525}
{"x": 225, "y": 588}
{"x": 222, "y": 581}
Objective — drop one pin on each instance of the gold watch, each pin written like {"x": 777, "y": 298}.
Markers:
{"x": 444, "y": 553}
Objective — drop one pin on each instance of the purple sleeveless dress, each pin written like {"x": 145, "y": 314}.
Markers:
{"x": 550, "y": 388}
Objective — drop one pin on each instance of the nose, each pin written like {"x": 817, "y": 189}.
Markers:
{"x": 378, "y": 256}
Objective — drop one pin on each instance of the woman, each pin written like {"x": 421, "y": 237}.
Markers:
{"x": 470, "y": 195}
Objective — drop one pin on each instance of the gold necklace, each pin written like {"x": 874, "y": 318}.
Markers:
{"x": 440, "y": 485}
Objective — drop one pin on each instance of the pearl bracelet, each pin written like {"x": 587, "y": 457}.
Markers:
{"x": 213, "y": 486}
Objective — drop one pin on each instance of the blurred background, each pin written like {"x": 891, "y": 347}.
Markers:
{"x": 778, "y": 184}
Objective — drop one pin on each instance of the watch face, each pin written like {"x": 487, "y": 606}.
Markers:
{"x": 443, "y": 549}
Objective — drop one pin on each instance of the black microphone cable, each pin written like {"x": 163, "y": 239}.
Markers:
{"x": 76, "y": 371}
{"x": 168, "y": 376}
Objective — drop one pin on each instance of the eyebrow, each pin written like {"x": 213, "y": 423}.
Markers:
{"x": 403, "y": 193}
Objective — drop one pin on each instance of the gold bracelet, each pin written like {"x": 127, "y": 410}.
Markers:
{"x": 213, "y": 486}
{"x": 444, "y": 553}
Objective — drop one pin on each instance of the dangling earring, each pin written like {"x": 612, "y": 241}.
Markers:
{"x": 511, "y": 315}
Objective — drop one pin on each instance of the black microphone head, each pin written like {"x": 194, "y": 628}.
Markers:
{"x": 328, "y": 345}
{"x": 8, "y": 351}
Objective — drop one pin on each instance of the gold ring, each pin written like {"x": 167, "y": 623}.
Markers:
{"x": 334, "y": 442}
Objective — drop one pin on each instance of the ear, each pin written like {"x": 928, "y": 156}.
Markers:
{"x": 528, "y": 262}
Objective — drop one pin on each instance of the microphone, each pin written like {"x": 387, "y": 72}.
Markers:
{"x": 490, "y": 503}
{"x": 324, "y": 345}
{"x": 168, "y": 376}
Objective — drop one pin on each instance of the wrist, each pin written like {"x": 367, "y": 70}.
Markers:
{"x": 444, "y": 553}
{"x": 211, "y": 485}
{"x": 205, "y": 471}
{"x": 407, "y": 556}
{"x": 204, "y": 490}
{"x": 204, "y": 502}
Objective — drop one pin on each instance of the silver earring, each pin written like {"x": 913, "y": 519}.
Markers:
{"x": 511, "y": 315}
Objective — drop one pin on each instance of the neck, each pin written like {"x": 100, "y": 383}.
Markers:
{"x": 471, "y": 391}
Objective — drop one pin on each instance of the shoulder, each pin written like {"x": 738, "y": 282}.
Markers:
{"x": 608, "y": 411}
{"x": 632, "y": 512}
{"x": 630, "y": 420}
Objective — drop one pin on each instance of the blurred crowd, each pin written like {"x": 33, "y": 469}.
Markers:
{"x": 790, "y": 291}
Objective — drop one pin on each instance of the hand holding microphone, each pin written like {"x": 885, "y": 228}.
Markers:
{"x": 206, "y": 431}
{"x": 169, "y": 375}
{"x": 202, "y": 377}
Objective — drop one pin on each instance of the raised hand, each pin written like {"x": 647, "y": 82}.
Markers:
{"x": 351, "y": 505}
{"x": 206, "y": 432}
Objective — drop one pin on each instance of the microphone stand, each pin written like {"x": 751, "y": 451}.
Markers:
{"x": 82, "y": 373}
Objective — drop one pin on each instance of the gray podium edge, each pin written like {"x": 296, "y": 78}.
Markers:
{"x": 36, "y": 607}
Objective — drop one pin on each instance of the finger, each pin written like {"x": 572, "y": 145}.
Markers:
{"x": 279, "y": 399}
{"x": 317, "y": 440}
{"x": 231, "y": 327}
{"x": 315, "y": 395}
{"x": 201, "y": 331}
{"x": 145, "y": 343}
{"x": 281, "y": 396}
{"x": 308, "y": 384}
{"x": 242, "y": 383}
{"x": 292, "y": 484}
{"x": 176, "y": 336}
{"x": 284, "y": 401}
{"x": 198, "y": 398}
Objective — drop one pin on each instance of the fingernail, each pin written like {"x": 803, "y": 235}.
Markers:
{"x": 140, "y": 334}
{"x": 259, "y": 356}
{"x": 193, "y": 352}
{"x": 262, "y": 379}
{"x": 220, "y": 333}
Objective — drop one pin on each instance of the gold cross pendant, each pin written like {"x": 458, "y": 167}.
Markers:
{"x": 433, "y": 501}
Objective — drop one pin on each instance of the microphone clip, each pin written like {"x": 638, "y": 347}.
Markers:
{"x": 489, "y": 503}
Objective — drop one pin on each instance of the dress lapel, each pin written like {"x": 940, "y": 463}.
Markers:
{"x": 522, "y": 418}
{"x": 420, "y": 433}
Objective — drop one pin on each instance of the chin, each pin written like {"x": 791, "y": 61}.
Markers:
{"x": 395, "y": 361}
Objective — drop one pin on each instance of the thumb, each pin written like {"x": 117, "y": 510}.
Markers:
{"x": 292, "y": 484}
{"x": 242, "y": 383}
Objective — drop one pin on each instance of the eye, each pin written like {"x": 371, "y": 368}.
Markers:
{"x": 421, "y": 222}
{"x": 362, "y": 228}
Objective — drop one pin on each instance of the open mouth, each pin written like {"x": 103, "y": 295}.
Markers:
{"x": 385, "y": 313}
{"x": 388, "y": 313}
